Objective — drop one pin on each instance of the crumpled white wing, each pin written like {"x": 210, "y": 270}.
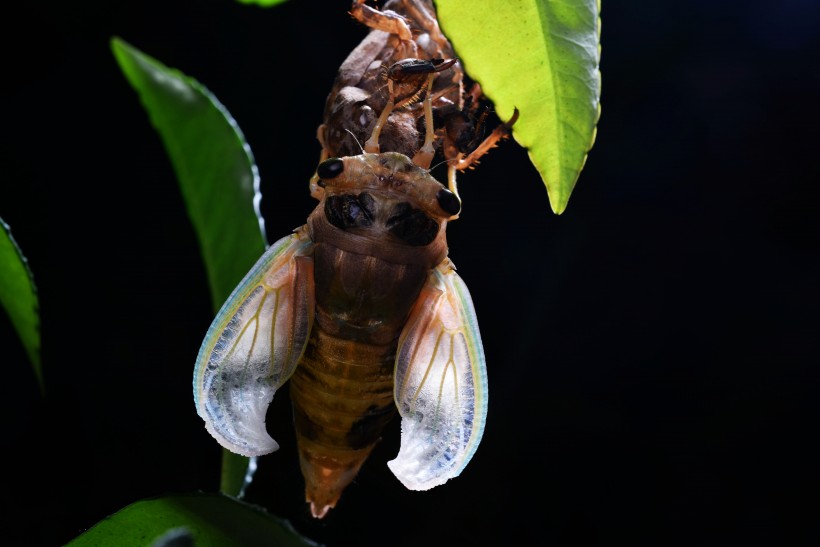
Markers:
{"x": 440, "y": 384}
{"x": 254, "y": 344}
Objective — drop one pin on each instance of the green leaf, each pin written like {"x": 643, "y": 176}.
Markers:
{"x": 262, "y": 3}
{"x": 216, "y": 173}
{"x": 542, "y": 57}
{"x": 213, "y": 163}
{"x": 212, "y": 520}
{"x": 18, "y": 295}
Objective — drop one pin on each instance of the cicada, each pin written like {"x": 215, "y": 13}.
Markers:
{"x": 363, "y": 312}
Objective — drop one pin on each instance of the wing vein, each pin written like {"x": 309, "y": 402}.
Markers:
{"x": 428, "y": 368}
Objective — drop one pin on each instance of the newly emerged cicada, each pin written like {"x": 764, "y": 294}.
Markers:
{"x": 362, "y": 311}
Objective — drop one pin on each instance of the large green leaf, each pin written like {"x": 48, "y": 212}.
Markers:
{"x": 542, "y": 57}
{"x": 218, "y": 178}
{"x": 18, "y": 295}
{"x": 213, "y": 163}
{"x": 211, "y": 520}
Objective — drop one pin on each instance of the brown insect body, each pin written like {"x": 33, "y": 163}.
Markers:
{"x": 367, "y": 279}
{"x": 369, "y": 268}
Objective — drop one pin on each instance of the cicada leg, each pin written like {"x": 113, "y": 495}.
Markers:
{"x": 371, "y": 146}
{"x": 424, "y": 157}
{"x": 451, "y": 183}
{"x": 463, "y": 161}
{"x": 410, "y": 78}
{"x": 401, "y": 76}
{"x": 386, "y": 21}
{"x": 421, "y": 13}
{"x": 471, "y": 160}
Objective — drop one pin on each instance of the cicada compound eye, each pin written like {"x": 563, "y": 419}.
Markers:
{"x": 330, "y": 168}
{"x": 448, "y": 201}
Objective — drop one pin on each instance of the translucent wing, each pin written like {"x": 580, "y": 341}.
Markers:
{"x": 440, "y": 384}
{"x": 254, "y": 344}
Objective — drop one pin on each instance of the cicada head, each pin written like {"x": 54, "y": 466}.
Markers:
{"x": 390, "y": 174}
{"x": 384, "y": 205}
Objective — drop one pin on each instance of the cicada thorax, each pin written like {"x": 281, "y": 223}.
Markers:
{"x": 377, "y": 233}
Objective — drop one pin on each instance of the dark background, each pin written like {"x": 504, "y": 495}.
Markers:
{"x": 652, "y": 352}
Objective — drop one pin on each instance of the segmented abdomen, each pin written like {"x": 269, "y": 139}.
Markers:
{"x": 342, "y": 390}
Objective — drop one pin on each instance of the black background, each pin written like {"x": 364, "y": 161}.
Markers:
{"x": 652, "y": 352}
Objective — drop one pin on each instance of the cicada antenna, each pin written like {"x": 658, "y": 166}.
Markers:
{"x": 441, "y": 163}
{"x": 355, "y": 139}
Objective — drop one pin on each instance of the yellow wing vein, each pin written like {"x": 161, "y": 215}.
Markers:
{"x": 410, "y": 359}
{"x": 428, "y": 368}
{"x": 255, "y": 321}
{"x": 437, "y": 413}
{"x": 448, "y": 365}
{"x": 273, "y": 321}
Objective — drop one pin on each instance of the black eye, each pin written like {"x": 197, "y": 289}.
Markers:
{"x": 448, "y": 201}
{"x": 411, "y": 225}
{"x": 331, "y": 168}
{"x": 347, "y": 211}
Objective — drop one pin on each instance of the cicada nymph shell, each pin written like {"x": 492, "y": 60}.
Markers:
{"x": 406, "y": 30}
{"x": 379, "y": 87}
